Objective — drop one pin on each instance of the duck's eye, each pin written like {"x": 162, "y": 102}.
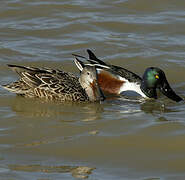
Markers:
{"x": 156, "y": 76}
{"x": 88, "y": 73}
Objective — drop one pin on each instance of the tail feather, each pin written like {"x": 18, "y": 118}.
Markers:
{"x": 93, "y": 59}
{"x": 18, "y": 87}
{"x": 79, "y": 56}
{"x": 81, "y": 65}
{"x": 20, "y": 69}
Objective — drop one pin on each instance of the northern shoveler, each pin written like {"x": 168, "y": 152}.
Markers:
{"x": 56, "y": 84}
{"x": 116, "y": 80}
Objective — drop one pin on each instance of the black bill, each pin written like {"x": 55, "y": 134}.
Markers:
{"x": 168, "y": 91}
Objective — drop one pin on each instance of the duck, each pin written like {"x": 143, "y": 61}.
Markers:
{"x": 117, "y": 80}
{"x": 55, "y": 84}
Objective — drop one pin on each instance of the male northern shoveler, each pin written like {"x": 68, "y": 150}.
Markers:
{"x": 56, "y": 84}
{"x": 116, "y": 80}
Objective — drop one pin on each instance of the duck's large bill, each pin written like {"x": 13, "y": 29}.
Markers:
{"x": 168, "y": 91}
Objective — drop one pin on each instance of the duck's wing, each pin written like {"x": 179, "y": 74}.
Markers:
{"x": 41, "y": 82}
{"x": 27, "y": 81}
{"x": 29, "y": 74}
{"x": 117, "y": 71}
{"x": 124, "y": 73}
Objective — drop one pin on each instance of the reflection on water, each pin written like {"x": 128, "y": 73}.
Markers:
{"x": 76, "y": 171}
{"x": 123, "y": 138}
{"x": 70, "y": 110}
{"x": 87, "y": 111}
{"x": 153, "y": 107}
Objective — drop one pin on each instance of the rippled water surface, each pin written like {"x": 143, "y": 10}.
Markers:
{"x": 117, "y": 139}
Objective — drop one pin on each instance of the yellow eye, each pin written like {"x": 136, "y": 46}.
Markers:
{"x": 156, "y": 76}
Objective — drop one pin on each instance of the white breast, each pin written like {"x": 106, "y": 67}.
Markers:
{"x": 131, "y": 86}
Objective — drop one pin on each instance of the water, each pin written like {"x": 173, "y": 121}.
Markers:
{"x": 122, "y": 139}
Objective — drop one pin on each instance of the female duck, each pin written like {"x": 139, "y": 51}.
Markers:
{"x": 56, "y": 84}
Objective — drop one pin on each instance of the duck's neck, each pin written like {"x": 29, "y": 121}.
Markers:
{"x": 93, "y": 91}
{"x": 149, "y": 92}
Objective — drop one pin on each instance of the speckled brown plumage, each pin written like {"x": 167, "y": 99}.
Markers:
{"x": 47, "y": 83}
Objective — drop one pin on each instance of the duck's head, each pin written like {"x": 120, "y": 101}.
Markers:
{"x": 89, "y": 82}
{"x": 154, "y": 78}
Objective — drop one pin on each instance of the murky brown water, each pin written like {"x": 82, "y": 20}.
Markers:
{"x": 121, "y": 139}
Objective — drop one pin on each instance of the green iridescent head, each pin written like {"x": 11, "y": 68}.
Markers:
{"x": 154, "y": 78}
